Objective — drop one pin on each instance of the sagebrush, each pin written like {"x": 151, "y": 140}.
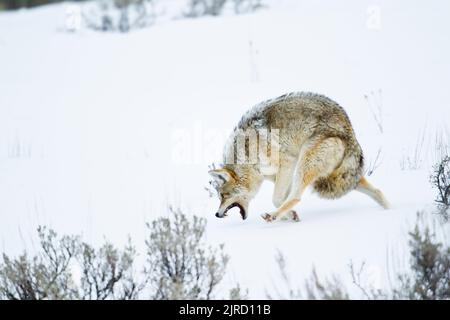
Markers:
{"x": 427, "y": 278}
{"x": 179, "y": 265}
{"x": 440, "y": 179}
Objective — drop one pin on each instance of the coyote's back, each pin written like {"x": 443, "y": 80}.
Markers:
{"x": 305, "y": 119}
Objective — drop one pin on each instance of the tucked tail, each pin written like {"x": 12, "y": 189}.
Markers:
{"x": 365, "y": 187}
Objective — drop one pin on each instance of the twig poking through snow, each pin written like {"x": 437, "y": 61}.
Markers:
{"x": 375, "y": 103}
{"x": 415, "y": 161}
{"x": 373, "y": 165}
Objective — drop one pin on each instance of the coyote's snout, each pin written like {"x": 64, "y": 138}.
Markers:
{"x": 296, "y": 140}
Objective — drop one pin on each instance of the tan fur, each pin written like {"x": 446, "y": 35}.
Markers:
{"x": 315, "y": 145}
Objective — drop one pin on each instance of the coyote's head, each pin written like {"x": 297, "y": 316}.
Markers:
{"x": 234, "y": 190}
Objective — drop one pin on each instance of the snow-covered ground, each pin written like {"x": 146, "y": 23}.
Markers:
{"x": 92, "y": 126}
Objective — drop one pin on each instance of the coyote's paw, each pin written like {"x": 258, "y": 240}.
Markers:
{"x": 291, "y": 215}
{"x": 294, "y": 216}
{"x": 267, "y": 217}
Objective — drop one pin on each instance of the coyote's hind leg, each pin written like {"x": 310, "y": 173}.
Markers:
{"x": 317, "y": 159}
{"x": 291, "y": 215}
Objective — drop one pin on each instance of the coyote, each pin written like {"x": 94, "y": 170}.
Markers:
{"x": 314, "y": 145}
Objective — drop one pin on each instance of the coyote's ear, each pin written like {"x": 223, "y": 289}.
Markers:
{"x": 221, "y": 175}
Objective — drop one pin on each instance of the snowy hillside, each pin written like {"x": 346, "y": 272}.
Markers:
{"x": 100, "y": 131}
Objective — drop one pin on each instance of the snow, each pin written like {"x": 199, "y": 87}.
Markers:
{"x": 90, "y": 124}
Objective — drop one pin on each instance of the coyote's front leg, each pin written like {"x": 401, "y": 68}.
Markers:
{"x": 283, "y": 183}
